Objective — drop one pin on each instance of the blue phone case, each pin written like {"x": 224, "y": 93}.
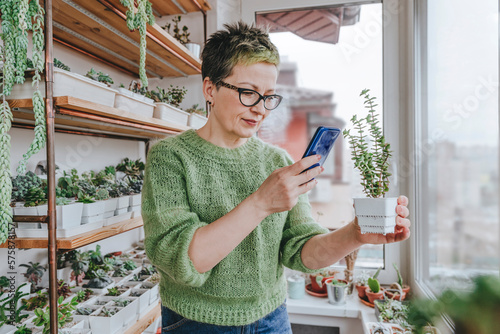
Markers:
{"x": 321, "y": 143}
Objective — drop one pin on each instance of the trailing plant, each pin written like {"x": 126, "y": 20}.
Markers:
{"x": 370, "y": 152}
{"x": 196, "y": 109}
{"x": 180, "y": 34}
{"x": 34, "y": 272}
{"x": 64, "y": 311}
{"x": 61, "y": 65}
{"x": 373, "y": 282}
{"x": 100, "y": 77}
{"x": 35, "y": 196}
{"x": 140, "y": 13}
{"x": 22, "y": 183}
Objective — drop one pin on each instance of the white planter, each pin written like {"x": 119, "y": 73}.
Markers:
{"x": 135, "y": 200}
{"x": 92, "y": 212}
{"x": 106, "y": 325}
{"x": 69, "y": 84}
{"x": 170, "y": 113}
{"x": 123, "y": 202}
{"x": 118, "y": 218}
{"x": 28, "y": 226}
{"x": 194, "y": 49}
{"x": 144, "y": 298}
{"x": 134, "y": 103}
{"x": 154, "y": 291}
{"x": 67, "y": 216}
{"x": 135, "y": 210}
{"x": 196, "y": 121}
{"x": 376, "y": 215}
{"x": 26, "y": 211}
{"x": 109, "y": 207}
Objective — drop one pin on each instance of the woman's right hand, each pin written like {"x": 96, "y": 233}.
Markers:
{"x": 281, "y": 190}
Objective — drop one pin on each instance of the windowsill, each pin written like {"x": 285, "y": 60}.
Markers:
{"x": 351, "y": 317}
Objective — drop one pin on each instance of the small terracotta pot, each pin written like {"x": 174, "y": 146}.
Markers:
{"x": 374, "y": 296}
{"x": 406, "y": 289}
{"x": 395, "y": 296}
{"x": 314, "y": 285}
{"x": 361, "y": 291}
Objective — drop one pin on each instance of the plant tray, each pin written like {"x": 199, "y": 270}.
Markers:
{"x": 196, "y": 121}
{"x": 61, "y": 233}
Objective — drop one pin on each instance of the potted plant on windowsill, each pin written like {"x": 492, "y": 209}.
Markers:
{"x": 374, "y": 291}
{"x": 397, "y": 290}
{"x": 197, "y": 116}
{"x": 167, "y": 105}
{"x": 362, "y": 284}
{"x": 371, "y": 155}
{"x": 136, "y": 99}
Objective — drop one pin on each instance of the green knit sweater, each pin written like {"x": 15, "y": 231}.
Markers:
{"x": 190, "y": 183}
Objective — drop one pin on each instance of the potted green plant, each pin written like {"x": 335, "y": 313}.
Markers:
{"x": 135, "y": 99}
{"x": 318, "y": 280}
{"x": 197, "y": 116}
{"x": 40, "y": 300}
{"x": 167, "y": 105}
{"x": 34, "y": 274}
{"x": 64, "y": 314}
{"x": 374, "y": 290}
{"x": 100, "y": 77}
{"x": 12, "y": 302}
{"x": 33, "y": 198}
{"x": 182, "y": 35}
{"x": 100, "y": 281}
{"x": 79, "y": 265}
{"x": 371, "y": 155}
{"x": 394, "y": 312}
{"x": 61, "y": 65}
{"x": 68, "y": 213}
{"x": 361, "y": 284}
{"x": 397, "y": 290}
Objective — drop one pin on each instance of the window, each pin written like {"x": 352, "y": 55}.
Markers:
{"x": 456, "y": 152}
{"x": 328, "y": 55}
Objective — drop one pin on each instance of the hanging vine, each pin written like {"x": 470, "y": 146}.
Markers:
{"x": 18, "y": 18}
{"x": 139, "y": 14}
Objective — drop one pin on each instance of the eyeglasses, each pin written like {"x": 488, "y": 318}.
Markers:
{"x": 249, "y": 97}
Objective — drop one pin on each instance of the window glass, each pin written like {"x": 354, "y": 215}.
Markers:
{"x": 328, "y": 56}
{"x": 458, "y": 141}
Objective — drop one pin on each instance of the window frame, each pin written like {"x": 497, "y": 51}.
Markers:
{"x": 394, "y": 129}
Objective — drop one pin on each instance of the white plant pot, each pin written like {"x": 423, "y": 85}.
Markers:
{"x": 118, "y": 218}
{"x": 135, "y": 200}
{"x": 154, "y": 291}
{"x": 135, "y": 103}
{"x": 69, "y": 84}
{"x": 106, "y": 325}
{"x": 26, "y": 211}
{"x": 93, "y": 209}
{"x": 67, "y": 216}
{"x": 123, "y": 202}
{"x": 135, "y": 210}
{"x": 170, "y": 113}
{"x": 144, "y": 298}
{"x": 196, "y": 121}
{"x": 109, "y": 207}
{"x": 376, "y": 215}
{"x": 194, "y": 49}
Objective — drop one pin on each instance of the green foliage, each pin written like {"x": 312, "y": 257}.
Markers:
{"x": 35, "y": 196}
{"x": 64, "y": 311}
{"x": 473, "y": 312}
{"x": 196, "y": 109}
{"x": 120, "y": 302}
{"x": 40, "y": 300}
{"x": 22, "y": 183}
{"x": 138, "y": 88}
{"x": 4, "y": 282}
{"x": 79, "y": 263}
{"x": 172, "y": 95}
{"x": 100, "y": 280}
{"x": 108, "y": 312}
{"x": 61, "y": 65}
{"x": 23, "y": 330}
{"x": 7, "y": 302}
{"x": 180, "y": 34}
{"x": 374, "y": 284}
{"x": 393, "y": 311}
{"x": 99, "y": 76}
{"x": 34, "y": 272}
{"x": 102, "y": 194}
{"x": 63, "y": 289}
{"x": 400, "y": 278}
{"x": 133, "y": 169}
{"x": 113, "y": 292}
{"x": 148, "y": 270}
{"x": 86, "y": 199}
{"x": 140, "y": 13}
{"x": 120, "y": 272}
{"x": 68, "y": 184}
{"x": 96, "y": 256}
{"x": 62, "y": 201}
{"x": 371, "y": 153}
{"x": 84, "y": 295}
{"x": 129, "y": 265}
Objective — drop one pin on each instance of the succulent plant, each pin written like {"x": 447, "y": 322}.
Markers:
{"x": 68, "y": 184}
{"x": 84, "y": 295}
{"x": 100, "y": 280}
{"x": 40, "y": 300}
{"x": 100, "y": 77}
{"x": 34, "y": 272}
{"x": 135, "y": 185}
{"x": 133, "y": 169}
{"x": 84, "y": 310}
{"x": 61, "y": 65}
{"x": 22, "y": 183}
{"x": 102, "y": 194}
{"x": 129, "y": 265}
{"x": 35, "y": 196}
{"x": 63, "y": 289}
{"x": 120, "y": 272}
{"x": 113, "y": 292}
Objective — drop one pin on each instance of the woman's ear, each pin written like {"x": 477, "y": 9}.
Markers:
{"x": 209, "y": 90}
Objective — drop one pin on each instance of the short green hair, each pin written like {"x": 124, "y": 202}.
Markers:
{"x": 238, "y": 44}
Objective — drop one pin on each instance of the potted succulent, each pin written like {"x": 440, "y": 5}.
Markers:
{"x": 100, "y": 281}
{"x": 34, "y": 274}
{"x": 136, "y": 100}
{"x": 318, "y": 280}
{"x": 99, "y": 77}
{"x": 33, "y": 199}
{"x": 182, "y": 35}
{"x": 393, "y": 312}
{"x": 68, "y": 213}
{"x": 371, "y": 155}
{"x": 361, "y": 284}
{"x": 167, "y": 105}
{"x": 69, "y": 84}
{"x": 22, "y": 183}
{"x": 197, "y": 116}
{"x": 337, "y": 290}
{"x": 374, "y": 290}
{"x": 84, "y": 295}
{"x": 79, "y": 265}
{"x": 40, "y": 300}
{"x": 397, "y": 290}
{"x": 107, "y": 319}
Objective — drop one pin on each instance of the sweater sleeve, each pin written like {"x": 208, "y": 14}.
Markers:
{"x": 298, "y": 229}
{"x": 169, "y": 224}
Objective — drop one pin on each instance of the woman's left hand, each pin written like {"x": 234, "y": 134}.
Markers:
{"x": 401, "y": 231}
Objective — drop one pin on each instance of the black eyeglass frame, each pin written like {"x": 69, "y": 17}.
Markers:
{"x": 261, "y": 97}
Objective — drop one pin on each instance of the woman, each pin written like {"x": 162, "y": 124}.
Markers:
{"x": 224, "y": 212}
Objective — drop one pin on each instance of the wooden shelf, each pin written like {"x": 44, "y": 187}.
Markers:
{"x": 74, "y": 113}
{"x": 169, "y": 7}
{"x": 144, "y": 322}
{"x": 98, "y": 28}
{"x": 79, "y": 240}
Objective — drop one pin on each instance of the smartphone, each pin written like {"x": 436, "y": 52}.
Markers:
{"x": 321, "y": 143}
